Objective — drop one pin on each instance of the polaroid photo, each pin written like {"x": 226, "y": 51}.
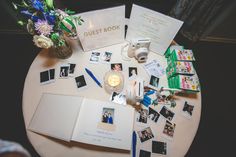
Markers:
{"x": 47, "y": 76}
{"x": 71, "y": 69}
{"x": 153, "y": 115}
{"x": 133, "y": 72}
{"x": 145, "y": 134}
{"x": 154, "y": 82}
{"x": 107, "y": 119}
{"x": 169, "y": 130}
{"x": 64, "y": 71}
{"x": 168, "y": 114}
{"x": 159, "y": 147}
{"x": 106, "y": 57}
{"x": 94, "y": 58}
{"x": 80, "y": 82}
{"x": 187, "y": 110}
{"x": 116, "y": 66}
{"x": 142, "y": 116}
{"x": 144, "y": 153}
{"x": 118, "y": 98}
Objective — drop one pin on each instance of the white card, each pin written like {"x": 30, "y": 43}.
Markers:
{"x": 160, "y": 28}
{"x": 154, "y": 68}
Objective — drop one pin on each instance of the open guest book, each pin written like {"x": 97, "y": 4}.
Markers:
{"x": 73, "y": 118}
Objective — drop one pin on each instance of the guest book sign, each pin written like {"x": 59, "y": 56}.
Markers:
{"x": 161, "y": 29}
{"x": 102, "y": 28}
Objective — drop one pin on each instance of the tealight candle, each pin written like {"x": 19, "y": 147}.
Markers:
{"x": 114, "y": 80}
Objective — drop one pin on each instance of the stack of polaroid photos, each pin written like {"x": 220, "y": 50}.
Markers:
{"x": 98, "y": 57}
{"x": 47, "y": 76}
{"x": 67, "y": 70}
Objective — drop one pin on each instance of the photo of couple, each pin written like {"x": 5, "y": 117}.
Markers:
{"x": 108, "y": 115}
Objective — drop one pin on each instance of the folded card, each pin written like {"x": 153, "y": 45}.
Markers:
{"x": 102, "y": 28}
{"x": 160, "y": 28}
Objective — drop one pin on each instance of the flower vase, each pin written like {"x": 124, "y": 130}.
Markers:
{"x": 61, "y": 52}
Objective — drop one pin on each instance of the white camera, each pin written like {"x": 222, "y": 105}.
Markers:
{"x": 139, "y": 49}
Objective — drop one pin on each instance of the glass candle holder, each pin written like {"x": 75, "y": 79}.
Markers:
{"x": 113, "y": 81}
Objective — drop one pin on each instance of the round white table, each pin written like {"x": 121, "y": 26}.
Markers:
{"x": 185, "y": 130}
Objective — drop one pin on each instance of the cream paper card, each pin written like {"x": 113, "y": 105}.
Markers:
{"x": 102, "y": 28}
{"x": 73, "y": 118}
{"x": 161, "y": 29}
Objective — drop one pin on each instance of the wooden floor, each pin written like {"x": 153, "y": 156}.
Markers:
{"x": 215, "y": 64}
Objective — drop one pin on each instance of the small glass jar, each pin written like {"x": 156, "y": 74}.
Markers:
{"x": 61, "y": 52}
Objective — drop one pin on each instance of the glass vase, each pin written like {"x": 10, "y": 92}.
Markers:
{"x": 61, "y": 52}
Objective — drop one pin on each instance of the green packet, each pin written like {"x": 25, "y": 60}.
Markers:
{"x": 184, "y": 82}
{"x": 180, "y": 67}
{"x": 171, "y": 48}
{"x": 185, "y": 55}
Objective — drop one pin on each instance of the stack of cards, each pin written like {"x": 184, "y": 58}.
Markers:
{"x": 47, "y": 76}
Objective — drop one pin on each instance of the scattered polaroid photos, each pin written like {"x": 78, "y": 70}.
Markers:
{"x": 64, "y": 71}
{"x": 80, "y": 82}
{"x": 168, "y": 114}
{"x": 169, "y": 130}
{"x": 142, "y": 116}
{"x": 116, "y": 66}
{"x": 107, "y": 119}
{"x": 159, "y": 147}
{"x": 154, "y": 81}
{"x": 118, "y": 98}
{"x": 145, "y": 134}
{"x": 47, "y": 76}
{"x": 133, "y": 72}
{"x": 187, "y": 110}
{"x": 144, "y": 153}
{"x": 106, "y": 57}
{"x": 94, "y": 58}
{"x": 153, "y": 115}
{"x": 71, "y": 69}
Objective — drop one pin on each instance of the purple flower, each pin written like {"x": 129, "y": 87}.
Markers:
{"x": 43, "y": 27}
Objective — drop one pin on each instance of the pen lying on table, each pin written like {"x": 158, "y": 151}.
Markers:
{"x": 93, "y": 77}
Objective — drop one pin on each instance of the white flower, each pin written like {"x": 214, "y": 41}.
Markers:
{"x": 30, "y": 27}
{"x": 42, "y": 41}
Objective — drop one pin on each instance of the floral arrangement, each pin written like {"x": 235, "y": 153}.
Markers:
{"x": 48, "y": 25}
